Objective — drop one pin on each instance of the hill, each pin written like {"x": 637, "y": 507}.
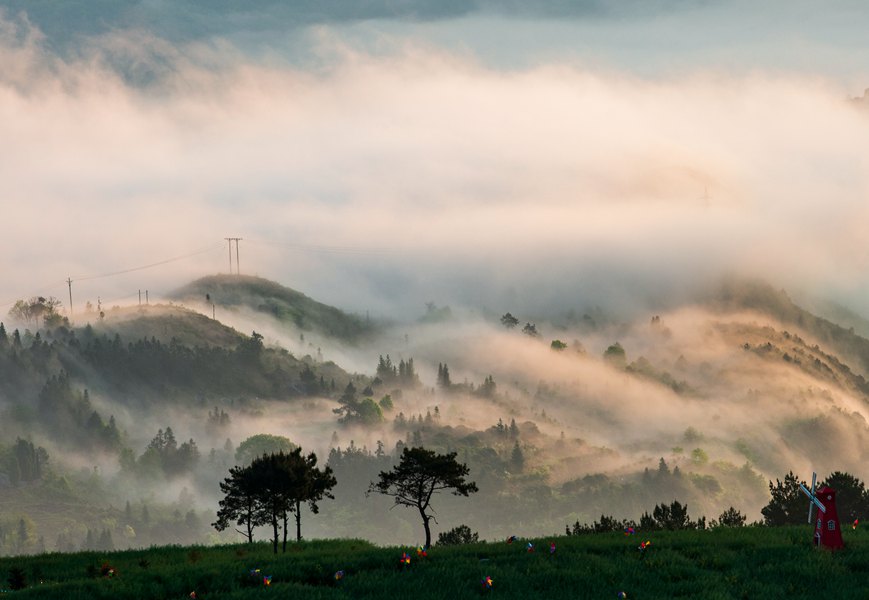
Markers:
{"x": 723, "y": 563}
{"x": 164, "y": 322}
{"x": 759, "y": 296}
{"x": 288, "y": 306}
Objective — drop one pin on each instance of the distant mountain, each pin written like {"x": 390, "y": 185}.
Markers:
{"x": 284, "y": 304}
{"x": 759, "y": 296}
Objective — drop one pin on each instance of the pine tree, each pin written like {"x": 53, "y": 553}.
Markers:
{"x": 105, "y": 542}
{"x": 444, "y": 376}
{"x": 517, "y": 458}
{"x": 23, "y": 535}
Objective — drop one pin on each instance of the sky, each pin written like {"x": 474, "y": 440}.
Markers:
{"x": 489, "y": 154}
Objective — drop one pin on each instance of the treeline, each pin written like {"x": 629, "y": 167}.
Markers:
{"x": 670, "y": 517}
{"x": 788, "y": 505}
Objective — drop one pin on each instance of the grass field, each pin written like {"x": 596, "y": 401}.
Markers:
{"x": 750, "y": 562}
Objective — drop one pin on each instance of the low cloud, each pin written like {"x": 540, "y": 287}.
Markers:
{"x": 382, "y": 181}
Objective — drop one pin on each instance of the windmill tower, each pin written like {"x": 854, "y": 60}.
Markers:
{"x": 828, "y": 532}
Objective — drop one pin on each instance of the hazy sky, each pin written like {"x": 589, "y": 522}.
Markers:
{"x": 382, "y": 154}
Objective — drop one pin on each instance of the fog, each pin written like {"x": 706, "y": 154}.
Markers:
{"x": 382, "y": 181}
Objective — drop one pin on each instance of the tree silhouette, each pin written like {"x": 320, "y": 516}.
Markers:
{"x": 313, "y": 486}
{"x": 731, "y": 518}
{"x": 239, "y": 504}
{"x": 851, "y": 497}
{"x": 418, "y": 476}
{"x": 788, "y": 505}
{"x": 672, "y": 517}
{"x": 509, "y": 321}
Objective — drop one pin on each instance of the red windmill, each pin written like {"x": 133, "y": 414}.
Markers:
{"x": 828, "y": 532}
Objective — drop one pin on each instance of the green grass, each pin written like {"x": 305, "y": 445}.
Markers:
{"x": 718, "y": 564}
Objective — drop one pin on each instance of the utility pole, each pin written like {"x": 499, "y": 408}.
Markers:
{"x": 230, "y": 240}
{"x": 69, "y": 283}
{"x": 140, "y": 297}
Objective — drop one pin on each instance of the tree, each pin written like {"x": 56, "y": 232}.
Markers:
{"x": 250, "y": 349}
{"x": 509, "y": 321}
{"x": 239, "y": 504}
{"x": 672, "y": 517}
{"x": 407, "y": 372}
{"x": 699, "y": 457}
{"x": 788, "y": 505}
{"x": 444, "y": 376}
{"x": 259, "y": 444}
{"x": 487, "y": 388}
{"x": 38, "y": 307}
{"x": 530, "y": 330}
{"x": 386, "y": 371}
{"x": 418, "y": 476}
{"x": 517, "y": 459}
{"x": 457, "y": 536}
{"x": 314, "y": 485}
{"x": 366, "y": 411}
{"x": 615, "y": 355}
{"x": 731, "y": 518}
{"x": 851, "y": 497}
{"x": 558, "y": 345}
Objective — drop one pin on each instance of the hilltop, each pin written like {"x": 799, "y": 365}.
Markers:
{"x": 287, "y": 305}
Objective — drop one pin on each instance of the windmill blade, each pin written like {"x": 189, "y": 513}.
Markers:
{"x": 814, "y": 478}
{"x": 813, "y": 500}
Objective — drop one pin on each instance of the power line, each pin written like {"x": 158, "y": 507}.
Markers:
{"x": 209, "y": 248}
{"x": 326, "y": 249}
{"x": 69, "y": 281}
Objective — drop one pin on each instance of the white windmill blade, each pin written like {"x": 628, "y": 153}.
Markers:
{"x": 813, "y": 500}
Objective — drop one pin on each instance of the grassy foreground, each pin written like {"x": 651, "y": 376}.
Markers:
{"x": 722, "y": 563}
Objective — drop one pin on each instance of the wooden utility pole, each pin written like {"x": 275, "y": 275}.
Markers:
{"x": 236, "y": 240}
{"x": 69, "y": 283}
